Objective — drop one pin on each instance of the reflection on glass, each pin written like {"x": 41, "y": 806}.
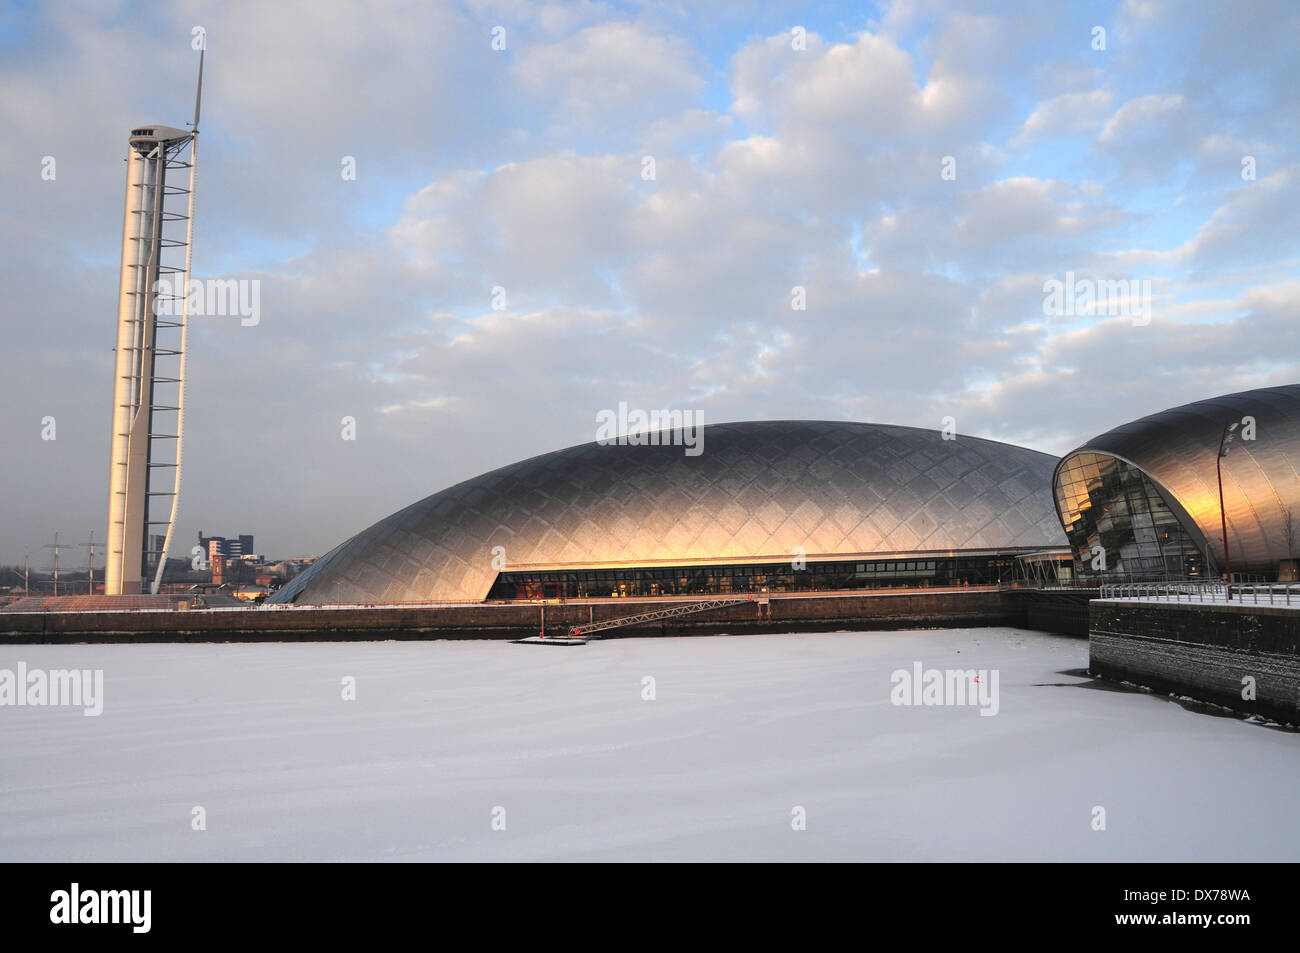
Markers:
{"x": 1110, "y": 509}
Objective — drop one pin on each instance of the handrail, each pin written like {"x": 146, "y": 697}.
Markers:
{"x": 665, "y": 612}
{"x": 1277, "y": 593}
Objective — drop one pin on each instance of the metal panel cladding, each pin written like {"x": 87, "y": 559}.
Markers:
{"x": 758, "y": 491}
{"x": 1176, "y": 449}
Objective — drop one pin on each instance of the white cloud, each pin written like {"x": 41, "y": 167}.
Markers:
{"x": 1142, "y": 119}
{"x": 1256, "y": 224}
{"x": 1070, "y": 114}
{"x": 612, "y": 74}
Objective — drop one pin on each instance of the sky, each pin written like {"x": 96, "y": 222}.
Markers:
{"x": 750, "y": 211}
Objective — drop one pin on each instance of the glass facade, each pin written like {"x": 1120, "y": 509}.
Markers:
{"x": 1119, "y": 525}
{"x": 915, "y": 573}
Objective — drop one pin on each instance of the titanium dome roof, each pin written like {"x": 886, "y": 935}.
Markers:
{"x": 1176, "y": 449}
{"x": 757, "y": 491}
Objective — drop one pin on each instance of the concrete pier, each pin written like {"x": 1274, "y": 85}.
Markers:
{"x": 894, "y": 609}
{"x": 1244, "y": 657}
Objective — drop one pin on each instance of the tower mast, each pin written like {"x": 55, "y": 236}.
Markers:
{"x": 148, "y": 300}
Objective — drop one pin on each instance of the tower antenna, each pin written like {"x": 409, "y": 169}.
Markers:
{"x": 198, "y": 93}
{"x": 185, "y": 328}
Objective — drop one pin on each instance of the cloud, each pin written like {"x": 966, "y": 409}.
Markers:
{"x": 1070, "y": 114}
{"x": 1142, "y": 119}
{"x": 1255, "y": 226}
{"x": 612, "y": 75}
{"x": 522, "y": 170}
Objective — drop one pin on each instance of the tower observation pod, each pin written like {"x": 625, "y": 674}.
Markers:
{"x": 149, "y": 376}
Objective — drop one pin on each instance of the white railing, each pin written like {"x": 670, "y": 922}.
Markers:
{"x": 1251, "y": 593}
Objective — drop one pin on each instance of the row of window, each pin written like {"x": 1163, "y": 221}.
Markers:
{"x": 782, "y": 577}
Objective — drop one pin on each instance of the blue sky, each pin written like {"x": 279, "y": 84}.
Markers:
{"x": 521, "y": 169}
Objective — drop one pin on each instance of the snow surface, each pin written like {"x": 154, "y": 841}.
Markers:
{"x": 743, "y": 730}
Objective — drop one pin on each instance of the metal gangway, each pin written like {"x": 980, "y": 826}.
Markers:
{"x": 579, "y": 634}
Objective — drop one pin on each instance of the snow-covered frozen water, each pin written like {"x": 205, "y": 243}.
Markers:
{"x": 742, "y": 731}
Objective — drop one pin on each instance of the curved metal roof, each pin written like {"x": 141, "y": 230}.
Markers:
{"x": 1176, "y": 448}
{"x": 157, "y": 132}
{"x": 756, "y": 492}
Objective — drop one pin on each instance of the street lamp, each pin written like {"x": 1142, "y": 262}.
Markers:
{"x": 1224, "y": 441}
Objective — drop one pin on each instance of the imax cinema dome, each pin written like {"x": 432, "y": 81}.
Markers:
{"x": 788, "y": 505}
{"x": 1146, "y": 494}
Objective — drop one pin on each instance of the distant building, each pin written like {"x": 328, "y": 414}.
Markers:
{"x": 234, "y": 547}
{"x": 251, "y": 593}
{"x": 156, "y": 541}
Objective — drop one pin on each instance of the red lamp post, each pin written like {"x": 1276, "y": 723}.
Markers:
{"x": 1224, "y": 440}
